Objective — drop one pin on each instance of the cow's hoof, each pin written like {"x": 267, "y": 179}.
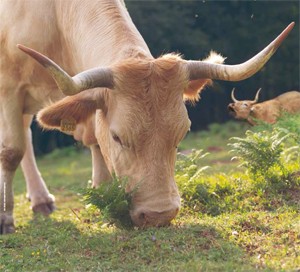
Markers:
{"x": 28, "y": 197}
{"x": 44, "y": 208}
{"x": 6, "y": 224}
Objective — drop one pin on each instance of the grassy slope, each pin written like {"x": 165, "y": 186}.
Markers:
{"x": 74, "y": 239}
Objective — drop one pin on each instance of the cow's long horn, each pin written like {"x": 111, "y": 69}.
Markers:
{"x": 256, "y": 96}
{"x": 232, "y": 96}
{"x": 93, "y": 78}
{"x": 199, "y": 69}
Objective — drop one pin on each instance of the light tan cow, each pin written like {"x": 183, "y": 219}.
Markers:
{"x": 132, "y": 113}
{"x": 267, "y": 111}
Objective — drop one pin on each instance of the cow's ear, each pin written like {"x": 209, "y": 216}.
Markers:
{"x": 70, "y": 111}
{"x": 194, "y": 88}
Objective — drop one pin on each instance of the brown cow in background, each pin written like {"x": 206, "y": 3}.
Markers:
{"x": 267, "y": 111}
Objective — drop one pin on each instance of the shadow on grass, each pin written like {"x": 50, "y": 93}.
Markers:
{"x": 46, "y": 244}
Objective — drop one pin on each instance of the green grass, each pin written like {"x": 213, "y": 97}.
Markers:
{"x": 229, "y": 222}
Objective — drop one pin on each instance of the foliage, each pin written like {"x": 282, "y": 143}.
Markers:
{"x": 189, "y": 164}
{"x": 269, "y": 153}
{"x": 112, "y": 200}
{"x": 260, "y": 151}
{"x": 271, "y": 158}
{"x": 289, "y": 123}
{"x": 196, "y": 193}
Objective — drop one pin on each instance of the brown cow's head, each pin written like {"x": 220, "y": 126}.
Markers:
{"x": 241, "y": 109}
{"x": 140, "y": 117}
{"x": 140, "y": 121}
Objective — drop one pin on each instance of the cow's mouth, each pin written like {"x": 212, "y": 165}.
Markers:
{"x": 231, "y": 110}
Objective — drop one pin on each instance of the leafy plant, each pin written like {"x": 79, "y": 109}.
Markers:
{"x": 189, "y": 164}
{"x": 268, "y": 154}
{"x": 112, "y": 200}
{"x": 259, "y": 151}
{"x": 199, "y": 192}
{"x": 290, "y": 123}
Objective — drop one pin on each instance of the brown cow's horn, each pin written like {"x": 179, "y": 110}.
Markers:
{"x": 93, "y": 78}
{"x": 256, "y": 96}
{"x": 232, "y": 96}
{"x": 199, "y": 69}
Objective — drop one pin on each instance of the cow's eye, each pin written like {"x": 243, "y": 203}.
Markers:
{"x": 116, "y": 138}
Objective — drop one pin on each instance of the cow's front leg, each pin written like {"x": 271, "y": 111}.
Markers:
{"x": 41, "y": 200}
{"x": 12, "y": 148}
{"x": 6, "y": 202}
{"x": 100, "y": 171}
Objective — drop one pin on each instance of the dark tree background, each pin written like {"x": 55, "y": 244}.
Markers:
{"x": 236, "y": 29}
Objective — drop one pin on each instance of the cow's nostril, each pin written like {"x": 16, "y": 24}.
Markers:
{"x": 230, "y": 107}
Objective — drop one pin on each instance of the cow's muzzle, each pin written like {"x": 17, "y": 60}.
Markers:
{"x": 144, "y": 218}
{"x": 231, "y": 109}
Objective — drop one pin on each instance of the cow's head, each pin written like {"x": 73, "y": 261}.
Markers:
{"x": 241, "y": 109}
{"x": 140, "y": 117}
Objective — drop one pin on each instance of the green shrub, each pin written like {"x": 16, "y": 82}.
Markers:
{"x": 286, "y": 122}
{"x": 189, "y": 164}
{"x": 271, "y": 157}
{"x": 259, "y": 151}
{"x": 201, "y": 193}
{"x": 269, "y": 154}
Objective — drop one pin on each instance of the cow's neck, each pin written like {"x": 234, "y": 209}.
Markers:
{"x": 98, "y": 37}
{"x": 250, "y": 121}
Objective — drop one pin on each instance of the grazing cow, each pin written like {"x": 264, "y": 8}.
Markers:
{"x": 126, "y": 105}
{"x": 267, "y": 111}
